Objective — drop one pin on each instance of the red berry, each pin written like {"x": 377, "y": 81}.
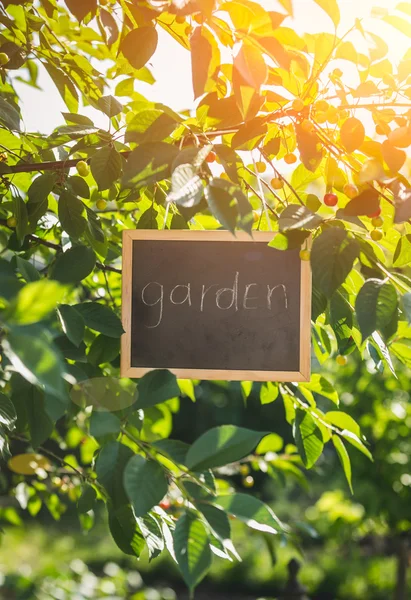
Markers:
{"x": 211, "y": 157}
{"x": 330, "y": 199}
{"x": 165, "y": 504}
{"x": 376, "y": 214}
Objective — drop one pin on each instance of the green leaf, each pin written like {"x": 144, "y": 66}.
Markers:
{"x": 74, "y": 265}
{"x": 229, "y": 205}
{"x": 217, "y": 519}
{"x": 72, "y": 323}
{"x": 150, "y": 125}
{"x": 308, "y": 438}
{"x": 341, "y": 320}
{"x": 70, "y": 211}
{"x": 37, "y": 360}
{"x": 148, "y": 163}
{"x": 402, "y": 254}
{"x": 271, "y": 443}
{"x": 251, "y": 511}
{"x": 40, "y": 424}
{"x": 176, "y": 450}
{"x": 110, "y": 106}
{"x": 8, "y": 414}
{"x": 145, "y": 483}
{"x": 41, "y": 187}
{"x": 156, "y": 387}
{"x": 27, "y": 269}
{"x": 331, "y": 8}
{"x": 295, "y": 216}
{"x": 376, "y": 306}
{"x": 192, "y": 549}
{"x": 125, "y": 531}
{"x": 110, "y": 466}
{"x": 148, "y": 219}
{"x": 106, "y": 167}
{"x": 103, "y": 350}
{"x": 343, "y": 421}
{"x": 35, "y": 301}
{"x": 152, "y": 534}
{"x": 320, "y": 385}
{"x": 406, "y": 301}
{"x": 87, "y": 500}
{"x": 222, "y": 445}
{"x": 20, "y": 213}
{"x": 332, "y": 258}
{"x": 290, "y": 240}
{"x": 139, "y": 46}
{"x": 100, "y": 318}
{"x": 79, "y": 186}
{"x": 187, "y": 187}
{"x": 104, "y": 423}
{"x": 344, "y": 458}
{"x": 9, "y": 116}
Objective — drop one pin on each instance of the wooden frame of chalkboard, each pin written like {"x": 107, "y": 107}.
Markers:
{"x": 302, "y": 373}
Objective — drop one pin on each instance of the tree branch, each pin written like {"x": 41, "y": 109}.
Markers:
{"x": 38, "y": 240}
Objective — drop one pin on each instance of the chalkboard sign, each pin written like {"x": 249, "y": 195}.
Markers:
{"x": 207, "y": 305}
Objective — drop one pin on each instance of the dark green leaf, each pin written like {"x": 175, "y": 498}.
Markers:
{"x": 104, "y": 423}
{"x": 109, "y": 106}
{"x": 366, "y": 203}
{"x": 125, "y": 531}
{"x": 72, "y": 323}
{"x": 79, "y": 186}
{"x": 100, "y": 318}
{"x": 9, "y": 116}
{"x": 71, "y": 211}
{"x": 41, "y": 187}
{"x": 222, "y": 445}
{"x": 110, "y": 466}
{"x": 103, "y": 350}
{"x": 27, "y": 269}
{"x": 106, "y": 167}
{"x": 192, "y": 549}
{"x": 295, "y": 216}
{"x": 156, "y": 387}
{"x": 149, "y": 163}
{"x": 332, "y": 258}
{"x": 217, "y": 519}
{"x": 376, "y": 306}
{"x": 145, "y": 483}
{"x": 74, "y": 265}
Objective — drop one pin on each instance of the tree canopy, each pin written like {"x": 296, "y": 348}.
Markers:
{"x": 302, "y": 135}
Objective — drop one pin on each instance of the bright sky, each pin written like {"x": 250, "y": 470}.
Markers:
{"x": 171, "y": 63}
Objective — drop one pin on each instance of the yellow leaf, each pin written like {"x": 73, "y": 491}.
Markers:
{"x": 404, "y": 7}
{"x": 288, "y": 5}
{"x": 400, "y": 24}
{"x": 331, "y": 8}
{"x": 251, "y": 66}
